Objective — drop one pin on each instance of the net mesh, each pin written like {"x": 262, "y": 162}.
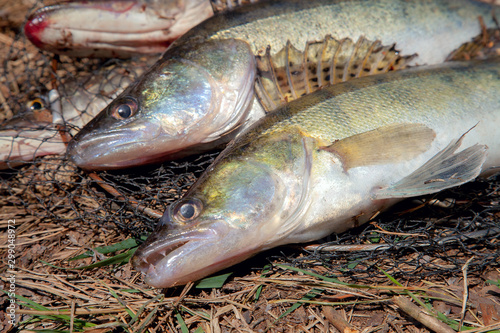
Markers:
{"x": 50, "y": 189}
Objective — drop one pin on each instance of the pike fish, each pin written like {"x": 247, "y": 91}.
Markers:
{"x": 330, "y": 161}
{"x": 201, "y": 93}
{"x": 37, "y": 130}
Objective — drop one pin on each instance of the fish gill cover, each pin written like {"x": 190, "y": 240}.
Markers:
{"x": 61, "y": 211}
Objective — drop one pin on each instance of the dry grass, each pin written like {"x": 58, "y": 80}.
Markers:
{"x": 59, "y": 213}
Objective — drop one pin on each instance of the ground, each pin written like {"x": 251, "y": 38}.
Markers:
{"x": 437, "y": 264}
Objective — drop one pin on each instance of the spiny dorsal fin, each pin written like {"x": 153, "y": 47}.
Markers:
{"x": 484, "y": 46}
{"x": 223, "y": 5}
{"x": 290, "y": 73}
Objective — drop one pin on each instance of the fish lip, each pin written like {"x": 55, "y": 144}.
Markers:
{"x": 99, "y": 139}
{"x": 36, "y": 24}
{"x": 149, "y": 255}
{"x": 91, "y": 150}
{"x": 48, "y": 29}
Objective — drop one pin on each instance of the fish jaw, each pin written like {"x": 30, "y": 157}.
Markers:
{"x": 96, "y": 28}
{"x": 176, "y": 257}
{"x": 182, "y": 106}
{"x": 90, "y": 151}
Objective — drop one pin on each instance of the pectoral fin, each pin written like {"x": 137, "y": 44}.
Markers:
{"x": 389, "y": 144}
{"x": 446, "y": 169}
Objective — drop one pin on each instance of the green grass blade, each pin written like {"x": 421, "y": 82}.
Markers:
{"x": 55, "y": 317}
{"x": 265, "y": 270}
{"x": 182, "y": 323}
{"x": 202, "y": 314}
{"x": 123, "y": 245}
{"x": 147, "y": 320}
{"x": 212, "y": 281}
{"x": 115, "y": 295}
{"x": 496, "y": 283}
{"x": 310, "y": 295}
{"x": 119, "y": 259}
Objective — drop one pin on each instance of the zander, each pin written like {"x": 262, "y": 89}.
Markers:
{"x": 201, "y": 93}
{"x": 328, "y": 162}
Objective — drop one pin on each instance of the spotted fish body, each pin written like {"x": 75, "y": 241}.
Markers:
{"x": 187, "y": 103}
{"x": 328, "y": 162}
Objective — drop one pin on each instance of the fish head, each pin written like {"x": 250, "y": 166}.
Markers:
{"x": 31, "y": 132}
{"x": 110, "y": 28}
{"x": 240, "y": 207}
{"x": 182, "y": 105}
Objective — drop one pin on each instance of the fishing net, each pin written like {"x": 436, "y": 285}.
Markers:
{"x": 431, "y": 240}
{"x": 424, "y": 237}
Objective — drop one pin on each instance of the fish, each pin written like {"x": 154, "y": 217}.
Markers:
{"x": 123, "y": 28}
{"x": 40, "y": 129}
{"x": 328, "y": 162}
{"x": 201, "y": 93}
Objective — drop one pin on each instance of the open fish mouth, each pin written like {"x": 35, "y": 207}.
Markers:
{"x": 164, "y": 260}
{"x": 147, "y": 262}
{"x": 64, "y": 28}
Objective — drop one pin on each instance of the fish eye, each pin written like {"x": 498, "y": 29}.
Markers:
{"x": 36, "y": 104}
{"x": 124, "y": 108}
{"x": 186, "y": 210}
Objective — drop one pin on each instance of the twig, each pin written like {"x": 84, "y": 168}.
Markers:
{"x": 421, "y": 316}
{"x": 466, "y": 293}
{"x": 382, "y": 231}
{"x": 72, "y": 318}
{"x": 183, "y": 294}
{"x": 378, "y": 247}
{"x": 111, "y": 190}
{"x": 336, "y": 319}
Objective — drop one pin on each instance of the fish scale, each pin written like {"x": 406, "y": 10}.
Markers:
{"x": 387, "y": 20}
{"x": 220, "y": 55}
{"x": 388, "y": 101}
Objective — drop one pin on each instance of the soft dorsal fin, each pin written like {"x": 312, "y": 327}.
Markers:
{"x": 291, "y": 73}
{"x": 384, "y": 145}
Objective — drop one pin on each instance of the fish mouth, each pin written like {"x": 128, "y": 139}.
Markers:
{"x": 171, "y": 258}
{"x": 160, "y": 259}
{"x": 114, "y": 149}
{"x": 63, "y": 28}
{"x": 146, "y": 261}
